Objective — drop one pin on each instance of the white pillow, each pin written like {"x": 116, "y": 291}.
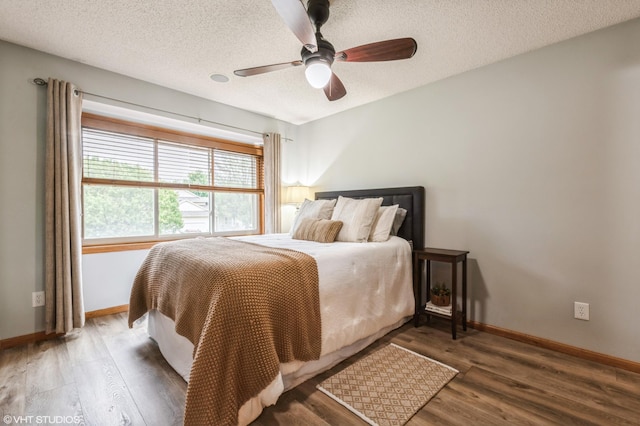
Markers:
{"x": 356, "y": 216}
{"x": 381, "y": 228}
{"x": 317, "y": 209}
{"x": 397, "y": 223}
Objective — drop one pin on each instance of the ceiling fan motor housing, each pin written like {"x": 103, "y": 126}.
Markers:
{"x": 325, "y": 53}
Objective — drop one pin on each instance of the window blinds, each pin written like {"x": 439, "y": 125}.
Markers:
{"x": 116, "y": 156}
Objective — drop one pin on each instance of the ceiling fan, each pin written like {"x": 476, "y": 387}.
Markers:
{"x": 318, "y": 54}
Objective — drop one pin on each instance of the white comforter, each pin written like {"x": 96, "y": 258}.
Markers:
{"x": 363, "y": 286}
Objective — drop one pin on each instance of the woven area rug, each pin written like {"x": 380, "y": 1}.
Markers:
{"x": 389, "y": 386}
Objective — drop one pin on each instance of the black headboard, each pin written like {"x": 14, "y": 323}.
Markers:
{"x": 410, "y": 198}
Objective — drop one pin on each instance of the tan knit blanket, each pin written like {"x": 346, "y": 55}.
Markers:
{"x": 246, "y": 308}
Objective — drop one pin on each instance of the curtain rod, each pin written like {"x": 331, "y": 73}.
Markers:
{"x": 42, "y": 82}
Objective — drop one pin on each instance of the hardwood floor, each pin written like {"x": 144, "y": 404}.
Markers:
{"x": 108, "y": 374}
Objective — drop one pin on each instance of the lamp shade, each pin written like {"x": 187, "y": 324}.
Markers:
{"x": 296, "y": 194}
{"x": 318, "y": 73}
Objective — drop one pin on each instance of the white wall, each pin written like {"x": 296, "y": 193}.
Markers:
{"x": 22, "y": 139}
{"x": 107, "y": 278}
{"x": 532, "y": 165}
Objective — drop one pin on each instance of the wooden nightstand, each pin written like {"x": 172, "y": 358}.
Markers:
{"x": 453, "y": 257}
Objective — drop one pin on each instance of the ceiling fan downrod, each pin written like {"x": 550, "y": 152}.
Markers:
{"x": 318, "y": 11}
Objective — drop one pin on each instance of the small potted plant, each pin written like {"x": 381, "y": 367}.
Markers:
{"x": 440, "y": 295}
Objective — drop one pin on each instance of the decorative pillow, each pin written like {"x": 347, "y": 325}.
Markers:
{"x": 317, "y": 209}
{"x": 319, "y": 230}
{"x": 398, "y": 220}
{"x": 356, "y": 216}
{"x": 381, "y": 228}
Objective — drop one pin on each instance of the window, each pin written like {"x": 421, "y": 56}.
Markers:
{"x": 143, "y": 183}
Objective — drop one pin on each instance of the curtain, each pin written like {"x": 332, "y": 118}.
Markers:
{"x": 64, "y": 306}
{"x": 272, "y": 187}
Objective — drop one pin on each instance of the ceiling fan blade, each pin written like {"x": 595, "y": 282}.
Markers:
{"x": 389, "y": 50}
{"x": 266, "y": 68}
{"x": 295, "y": 16}
{"x": 335, "y": 89}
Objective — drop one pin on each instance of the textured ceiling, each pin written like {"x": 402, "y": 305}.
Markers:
{"x": 179, "y": 43}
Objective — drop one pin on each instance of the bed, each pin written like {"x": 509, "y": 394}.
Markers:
{"x": 365, "y": 290}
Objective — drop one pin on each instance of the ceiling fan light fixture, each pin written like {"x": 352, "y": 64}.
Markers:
{"x": 318, "y": 73}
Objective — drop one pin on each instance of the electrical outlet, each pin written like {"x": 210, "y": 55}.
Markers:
{"x": 581, "y": 311}
{"x": 37, "y": 298}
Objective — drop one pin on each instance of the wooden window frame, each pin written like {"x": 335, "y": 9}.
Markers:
{"x": 111, "y": 124}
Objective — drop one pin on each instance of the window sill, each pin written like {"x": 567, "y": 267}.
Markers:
{"x": 142, "y": 245}
{"x": 108, "y": 248}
